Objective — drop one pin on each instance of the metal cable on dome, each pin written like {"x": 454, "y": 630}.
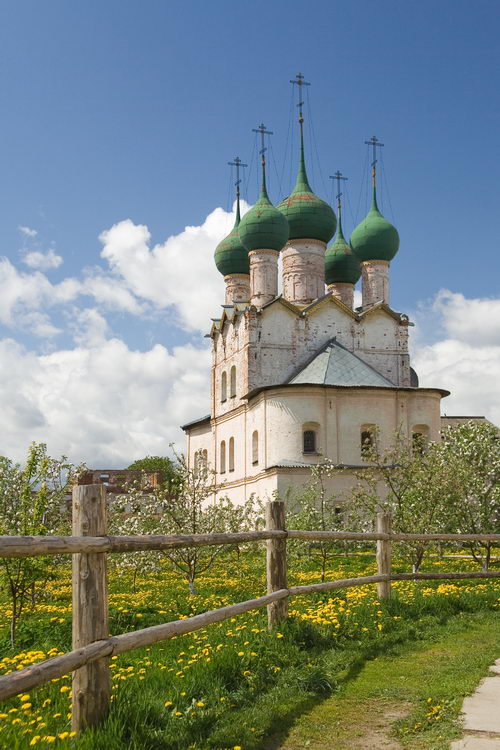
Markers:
{"x": 247, "y": 181}
{"x": 315, "y": 144}
{"x": 384, "y": 177}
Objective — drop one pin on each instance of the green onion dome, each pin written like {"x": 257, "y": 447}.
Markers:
{"x": 263, "y": 227}
{"x": 375, "y": 238}
{"x": 230, "y": 255}
{"x": 308, "y": 216}
{"x": 341, "y": 265}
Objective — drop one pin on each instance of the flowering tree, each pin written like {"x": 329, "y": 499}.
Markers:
{"x": 413, "y": 483}
{"x": 191, "y": 510}
{"x": 472, "y": 451}
{"x": 32, "y": 503}
{"x": 315, "y": 508}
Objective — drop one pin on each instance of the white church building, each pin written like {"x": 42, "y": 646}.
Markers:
{"x": 303, "y": 377}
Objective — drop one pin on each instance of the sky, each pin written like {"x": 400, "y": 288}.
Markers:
{"x": 118, "y": 122}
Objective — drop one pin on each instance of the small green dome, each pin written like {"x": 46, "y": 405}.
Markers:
{"x": 263, "y": 227}
{"x": 375, "y": 238}
{"x": 230, "y": 255}
{"x": 341, "y": 265}
{"x": 308, "y": 216}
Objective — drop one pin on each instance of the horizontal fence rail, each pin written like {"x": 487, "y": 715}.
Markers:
{"x": 28, "y": 546}
{"x": 92, "y": 649}
{"x": 40, "y": 546}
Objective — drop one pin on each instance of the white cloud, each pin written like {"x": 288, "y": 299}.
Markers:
{"x": 101, "y": 402}
{"x": 476, "y": 321}
{"x": 27, "y": 231}
{"x": 89, "y": 327}
{"x": 467, "y": 361}
{"x": 179, "y": 273}
{"x": 42, "y": 261}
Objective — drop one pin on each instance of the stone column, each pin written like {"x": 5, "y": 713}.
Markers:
{"x": 237, "y": 288}
{"x": 375, "y": 282}
{"x": 263, "y": 276}
{"x": 343, "y": 292}
{"x": 303, "y": 271}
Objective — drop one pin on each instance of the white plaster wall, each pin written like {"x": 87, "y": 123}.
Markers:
{"x": 339, "y": 415}
{"x": 200, "y": 438}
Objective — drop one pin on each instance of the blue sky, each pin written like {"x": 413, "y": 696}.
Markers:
{"x": 117, "y": 111}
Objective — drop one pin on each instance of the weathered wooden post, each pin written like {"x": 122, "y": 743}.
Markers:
{"x": 91, "y": 683}
{"x": 276, "y": 562}
{"x": 383, "y": 526}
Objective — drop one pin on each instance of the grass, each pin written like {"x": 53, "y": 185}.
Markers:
{"x": 411, "y": 694}
{"x": 234, "y": 684}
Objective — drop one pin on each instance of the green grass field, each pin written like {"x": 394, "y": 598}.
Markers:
{"x": 235, "y": 685}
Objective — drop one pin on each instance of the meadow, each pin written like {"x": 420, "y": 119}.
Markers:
{"x": 231, "y": 685}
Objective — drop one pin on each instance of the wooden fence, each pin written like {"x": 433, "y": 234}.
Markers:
{"x": 89, "y": 545}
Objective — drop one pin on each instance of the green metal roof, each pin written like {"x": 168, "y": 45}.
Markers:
{"x": 263, "y": 227}
{"x": 335, "y": 365}
{"x": 230, "y": 256}
{"x": 341, "y": 265}
{"x": 308, "y": 216}
{"x": 375, "y": 238}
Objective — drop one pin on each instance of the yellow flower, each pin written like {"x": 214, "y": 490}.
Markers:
{"x": 24, "y": 697}
{"x": 64, "y": 689}
{"x": 279, "y": 635}
{"x": 200, "y": 704}
{"x": 168, "y": 703}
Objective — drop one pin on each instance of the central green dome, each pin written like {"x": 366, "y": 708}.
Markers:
{"x": 341, "y": 265}
{"x": 263, "y": 227}
{"x": 308, "y": 216}
{"x": 375, "y": 238}
{"x": 230, "y": 255}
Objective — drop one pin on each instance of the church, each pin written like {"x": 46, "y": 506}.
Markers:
{"x": 304, "y": 377}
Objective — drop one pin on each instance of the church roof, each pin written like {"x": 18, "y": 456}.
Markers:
{"x": 335, "y": 365}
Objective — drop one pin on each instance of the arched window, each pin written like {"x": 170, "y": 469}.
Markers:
{"x": 231, "y": 454}
{"x": 255, "y": 448}
{"x": 223, "y": 457}
{"x": 367, "y": 439}
{"x": 223, "y": 387}
{"x": 309, "y": 441}
{"x": 232, "y": 382}
{"x": 204, "y": 456}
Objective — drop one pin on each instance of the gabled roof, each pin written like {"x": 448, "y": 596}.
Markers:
{"x": 335, "y": 365}
{"x": 328, "y": 299}
{"x": 401, "y": 318}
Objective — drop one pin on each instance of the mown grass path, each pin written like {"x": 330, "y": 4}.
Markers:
{"x": 408, "y": 698}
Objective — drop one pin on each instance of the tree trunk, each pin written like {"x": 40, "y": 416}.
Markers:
{"x": 13, "y": 623}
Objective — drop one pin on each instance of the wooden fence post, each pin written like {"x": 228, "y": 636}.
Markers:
{"x": 91, "y": 683}
{"x": 383, "y": 555}
{"x": 276, "y": 562}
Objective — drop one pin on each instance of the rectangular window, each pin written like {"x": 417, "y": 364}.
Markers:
{"x": 309, "y": 440}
